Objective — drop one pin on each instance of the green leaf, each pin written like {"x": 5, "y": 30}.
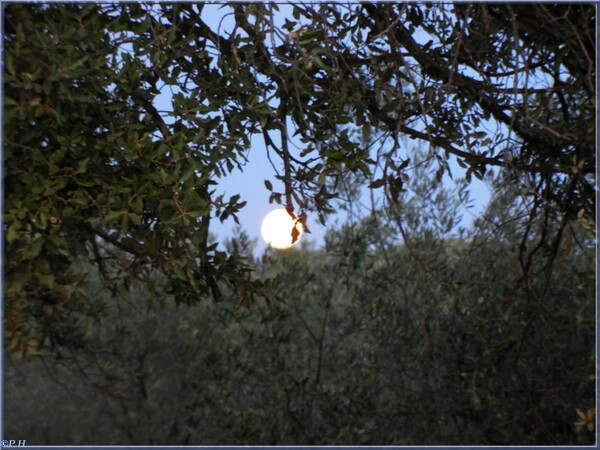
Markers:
{"x": 320, "y": 64}
{"x": 83, "y": 164}
{"x": 113, "y": 216}
{"x": 41, "y": 220}
{"x": 137, "y": 205}
{"x": 179, "y": 273}
{"x": 197, "y": 213}
{"x": 46, "y": 280}
{"x": 12, "y": 234}
{"x": 134, "y": 218}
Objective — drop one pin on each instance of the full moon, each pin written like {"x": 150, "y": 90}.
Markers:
{"x": 277, "y": 229}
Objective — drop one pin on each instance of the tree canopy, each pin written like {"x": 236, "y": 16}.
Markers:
{"x": 96, "y": 168}
{"x": 367, "y": 349}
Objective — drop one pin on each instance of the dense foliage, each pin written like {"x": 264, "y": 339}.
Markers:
{"x": 407, "y": 327}
{"x": 97, "y": 168}
{"x": 376, "y": 343}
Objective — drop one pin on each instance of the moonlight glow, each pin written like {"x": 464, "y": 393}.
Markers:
{"x": 277, "y": 228}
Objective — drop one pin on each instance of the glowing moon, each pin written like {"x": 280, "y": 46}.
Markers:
{"x": 276, "y": 229}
